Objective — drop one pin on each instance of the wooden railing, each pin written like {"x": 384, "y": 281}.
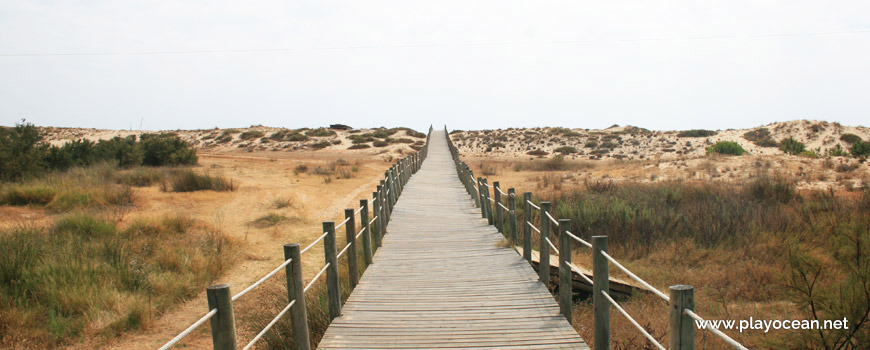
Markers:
{"x": 373, "y": 223}
{"x": 504, "y": 217}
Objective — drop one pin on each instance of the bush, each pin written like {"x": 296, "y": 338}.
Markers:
{"x": 850, "y": 138}
{"x": 760, "y": 137}
{"x": 359, "y": 146}
{"x": 696, "y": 133}
{"x": 792, "y": 146}
{"x": 320, "y": 132}
{"x": 537, "y": 152}
{"x": 591, "y": 144}
{"x": 726, "y": 147}
{"x": 496, "y": 145}
{"x": 380, "y": 143}
{"x": 39, "y": 195}
{"x": 321, "y": 145}
{"x": 251, "y": 134}
{"x": 22, "y": 152}
{"x": 860, "y": 149}
{"x": 565, "y": 150}
{"x": 608, "y": 145}
{"x": 189, "y": 181}
{"x": 269, "y": 220}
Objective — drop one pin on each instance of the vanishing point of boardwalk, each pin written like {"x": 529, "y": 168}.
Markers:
{"x": 443, "y": 280}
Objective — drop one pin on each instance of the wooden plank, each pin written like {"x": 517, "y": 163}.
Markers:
{"x": 442, "y": 279}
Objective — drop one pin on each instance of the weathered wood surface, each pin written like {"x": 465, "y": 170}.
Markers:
{"x": 443, "y": 279}
{"x": 618, "y": 286}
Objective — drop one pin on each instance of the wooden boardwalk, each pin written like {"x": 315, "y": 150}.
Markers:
{"x": 444, "y": 279}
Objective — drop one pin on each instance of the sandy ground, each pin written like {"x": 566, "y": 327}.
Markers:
{"x": 663, "y": 156}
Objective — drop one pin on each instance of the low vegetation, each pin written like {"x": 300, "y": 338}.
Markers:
{"x": 85, "y": 276}
{"x": 792, "y": 146}
{"x": 189, "y": 181}
{"x": 24, "y": 154}
{"x": 762, "y": 249}
{"x": 726, "y": 148}
{"x": 760, "y": 137}
{"x": 696, "y": 133}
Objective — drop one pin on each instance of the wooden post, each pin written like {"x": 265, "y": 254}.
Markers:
{"x": 600, "y": 282}
{"x": 527, "y": 231}
{"x": 394, "y": 194}
{"x": 367, "y": 233}
{"x": 475, "y": 194}
{"x": 543, "y": 247}
{"x": 352, "y": 260}
{"x": 295, "y": 291}
{"x": 682, "y": 333}
{"x": 512, "y": 205}
{"x": 566, "y": 288}
{"x": 489, "y": 216}
{"x": 498, "y": 213}
{"x": 333, "y": 285}
{"x": 480, "y": 188}
{"x": 223, "y": 323}
{"x": 385, "y": 206}
{"x": 378, "y": 231}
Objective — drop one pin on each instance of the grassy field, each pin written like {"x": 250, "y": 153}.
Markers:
{"x": 760, "y": 249}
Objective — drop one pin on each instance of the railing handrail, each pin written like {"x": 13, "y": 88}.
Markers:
{"x": 383, "y": 200}
{"x": 481, "y": 196}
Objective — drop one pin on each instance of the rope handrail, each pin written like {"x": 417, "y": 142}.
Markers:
{"x": 269, "y": 326}
{"x": 554, "y": 221}
{"x": 360, "y": 233}
{"x": 343, "y": 251}
{"x": 533, "y": 227}
{"x": 487, "y": 185}
{"x": 342, "y": 223}
{"x": 630, "y": 319}
{"x": 533, "y": 205}
{"x": 261, "y": 280}
{"x": 503, "y": 207}
{"x": 314, "y": 243}
{"x": 553, "y": 247}
{"x": 578, "y": 239}
{"x": 373, "y": 219}
{"x": 633, "y": 276}
{"x": 357, "y": 211}
{"x": 579, "y": 272}
{"x": 190, "y": 329}
{"x": 715, "y": 331}
{"x": 490, "y": 199}
{"x": 316, "y": 277}
{"x": 502, "y": 192}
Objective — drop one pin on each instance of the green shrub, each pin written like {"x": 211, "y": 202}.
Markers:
{"x": 496, "y": 145}
{"x": 269, "y": 220}
{"x": 159, "y": 150}
{"x": 836, "y": 151}
{"x": 565, "y": 150}
{"x": 382, "y": 133}
{"x": 380, "y": 143}
{"x": 537, "y": 152}
{"x": 608, "y": 145}
{"x": 760, "y": 137}
{"x": 591, "y": 144}
{"x": 399, "y": 140}
{"x": 189, "y": 181}
{"x": 791, "y": 146}
{"x": 321, "y": 145}
{"x": 456, "y": 132}
{"x": 696, "y": 133}
{"x": 726, "y": 147}
{"x": 26, "y": 195}
{"x": 320, "y": 132}
{"x": 850, "y": 138}
{"x": 860, "y": 149}
{"x": 809, "y": 154}
{"x": 414, "y": 133}
{"x": 359, "y": 146}
{"x": 251, "y": 134}
{"x": 22, "y": 152}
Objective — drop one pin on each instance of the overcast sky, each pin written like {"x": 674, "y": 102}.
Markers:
{"x": 470, "y": 64}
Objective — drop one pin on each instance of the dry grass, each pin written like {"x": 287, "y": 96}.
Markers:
{"x": 745, "y": 247}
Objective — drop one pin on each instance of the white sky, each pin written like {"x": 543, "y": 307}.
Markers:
{"x": 469, "y": 64}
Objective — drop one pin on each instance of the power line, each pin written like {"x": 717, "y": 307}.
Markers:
{"x": 403, "y": 46}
